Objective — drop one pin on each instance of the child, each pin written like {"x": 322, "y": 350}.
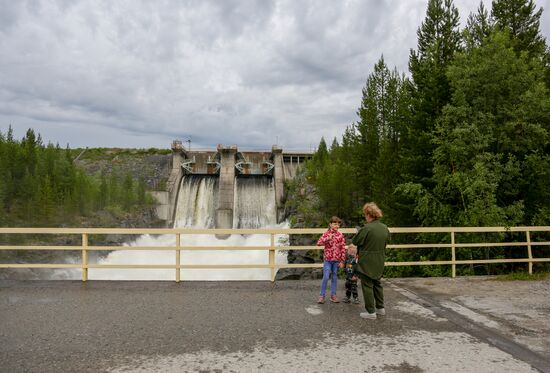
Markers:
{"x": 351, "y": 276}
{"x": 333, "y": 257}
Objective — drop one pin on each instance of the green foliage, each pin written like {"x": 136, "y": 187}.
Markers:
{"x": 367, "y": 164}
{"x": 40, "y": 185}
{"x": 439, "y": 39}
{"x": 334, "y": 191}
{"x": 302, "y": 203}
{"x": 319, "y": 159}
{"x": 523, "y": 276}
{"x": 478, "y": 27}
{"x": 465, "y": 142}
{"x": 481, "y": 149}
{"x": 520, "y": 20}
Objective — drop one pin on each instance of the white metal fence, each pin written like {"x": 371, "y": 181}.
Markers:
{"x": 526, "y": 244}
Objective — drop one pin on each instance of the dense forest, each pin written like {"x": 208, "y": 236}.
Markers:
{"x": 461, "y": 140}
{"x": 40, "y": 186}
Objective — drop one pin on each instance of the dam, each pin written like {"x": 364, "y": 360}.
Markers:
{"x": 227, "y": 187}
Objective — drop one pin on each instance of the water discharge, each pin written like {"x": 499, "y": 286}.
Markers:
{"x": 254, "y": 203}
{"x": 196, "y": 203}
{"x": 196, "y": 206}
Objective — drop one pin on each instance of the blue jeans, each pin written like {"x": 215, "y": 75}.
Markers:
{"x": 330, "y": 269}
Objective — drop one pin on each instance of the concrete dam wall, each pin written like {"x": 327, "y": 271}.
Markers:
{"x": 240, "y": 191}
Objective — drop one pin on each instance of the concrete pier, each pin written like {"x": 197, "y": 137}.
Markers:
{"x": 166, "y": 200}
{"x": 278, "y": 179}
{"x": 226, "y": 201}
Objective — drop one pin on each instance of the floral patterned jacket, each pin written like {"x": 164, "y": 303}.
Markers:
{"x": 335, "y": 245}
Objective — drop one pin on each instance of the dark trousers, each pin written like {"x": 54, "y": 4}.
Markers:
{"x": 351, "y": 288}
{"x": 373, "y": 294}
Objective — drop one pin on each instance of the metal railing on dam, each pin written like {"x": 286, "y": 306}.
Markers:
{"x": 523, "y": 239}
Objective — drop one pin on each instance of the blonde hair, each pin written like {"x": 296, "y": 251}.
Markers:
{"x": 352, "y": 249}
{"x": 371, "y": 209}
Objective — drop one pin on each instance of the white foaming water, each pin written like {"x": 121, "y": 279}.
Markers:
{"x": 196, "y": 206}
{"x": 254, "y": 203}
{"x": 196, "y": 203}
{"x": 193, "y": 257}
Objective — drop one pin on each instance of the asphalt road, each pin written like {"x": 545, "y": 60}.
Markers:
{"x": 434, "y": 325}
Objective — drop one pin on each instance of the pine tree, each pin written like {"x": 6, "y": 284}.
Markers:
{"x": 372, "y": 115}
{"x": 141, "y": 194}
{"x": 489, "y": 141}
{"x": 334, "y": 189}
{"x": 478, "y": 27}
{"x": 520, "y": 19}
{"x": 128, "y": 192}
{"x": 12, "y": 168}
{"x": 103, "y": 197}
{"x": 40, "y": 185}
{"x": 370, "y": 148}
{"x": 45, "y": 206}
{"x": 114, "y": 190}
{"x": 30, "y": 144}
{"x": 320, "y": 157}
{"x": 4, "y": 178}
{"x": 439, "y": 39}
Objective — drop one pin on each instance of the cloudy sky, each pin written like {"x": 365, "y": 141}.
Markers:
{"x": 252, "y": 73}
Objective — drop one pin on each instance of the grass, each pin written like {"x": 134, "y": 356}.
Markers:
{"x": 523, "y": 276}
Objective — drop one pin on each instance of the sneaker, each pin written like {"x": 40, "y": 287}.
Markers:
{"x": 367, "y": 315}
{"x": 346, "y": 300}
{"x": 380, "y": 311}
{"x": 321, "y": 299}
{"x": 356, "y": 300}
{"x": 333, "y": 299}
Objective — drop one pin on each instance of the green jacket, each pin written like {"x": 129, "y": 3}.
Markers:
{"x": 371, "y": 242}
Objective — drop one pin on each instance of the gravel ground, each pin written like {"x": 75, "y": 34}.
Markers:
{"x": 521, "y": 309}
{"x": 118, "y": 326}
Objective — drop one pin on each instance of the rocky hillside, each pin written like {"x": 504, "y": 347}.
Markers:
{"x": 151, "y": 165}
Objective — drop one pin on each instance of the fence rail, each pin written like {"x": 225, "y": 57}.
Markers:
{"x": 453, "y": 245}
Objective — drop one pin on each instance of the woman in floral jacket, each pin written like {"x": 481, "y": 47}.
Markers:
{"x": 333, "y": 257}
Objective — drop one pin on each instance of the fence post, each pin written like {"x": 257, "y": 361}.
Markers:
{"x": 84, "y": 257}
{"x": 272, "y": 257}
{"x": 529, "y": 252}
{"x": 453, "y": 253}
{"x": 178, "y": 263}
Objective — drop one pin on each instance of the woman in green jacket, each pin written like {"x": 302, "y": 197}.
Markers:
{"x": 371, "y": 242}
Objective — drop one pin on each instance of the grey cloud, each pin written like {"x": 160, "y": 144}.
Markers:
{"x": 9, "y": 14}
{"x": 243, "y": 72}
